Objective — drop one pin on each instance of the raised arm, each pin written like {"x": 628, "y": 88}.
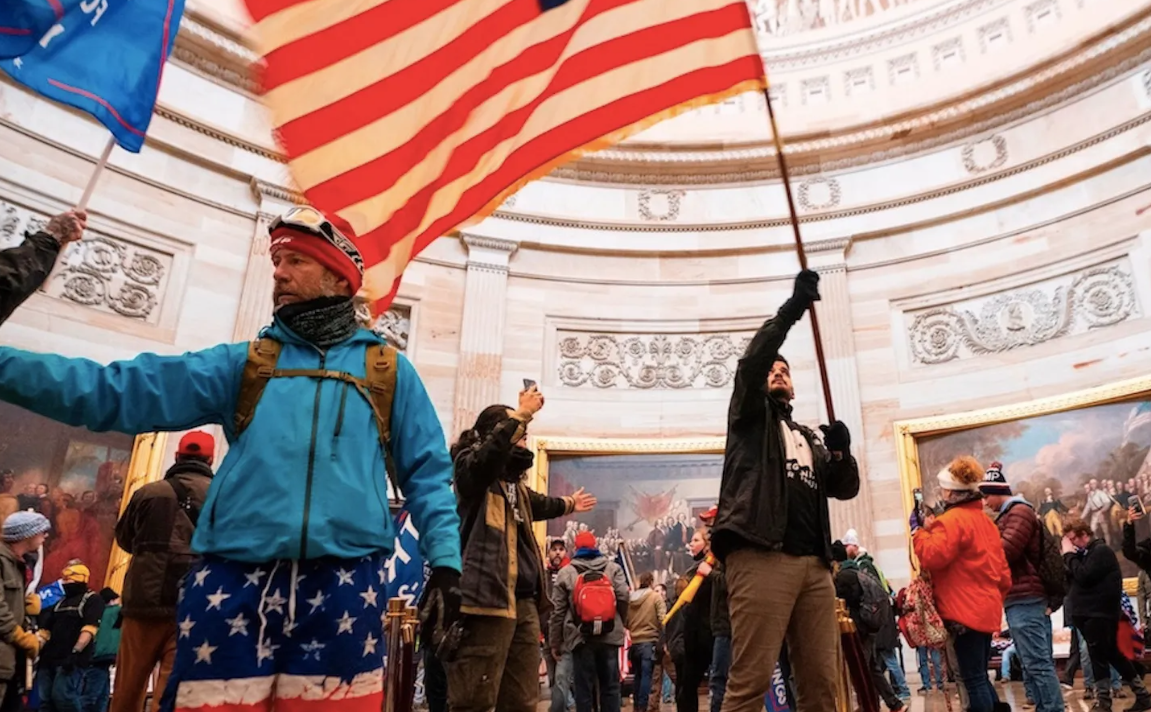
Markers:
{"x": 1137, "y": 553}
{"x": 544, "y": 507}
{"x": 424, "y": 469}
{"x": 148, "y": 393}
{"x": 24, "y": 268}
{"x": 751, "y": 373}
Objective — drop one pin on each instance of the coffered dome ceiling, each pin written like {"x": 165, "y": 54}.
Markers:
{"x": 854, "y": 82}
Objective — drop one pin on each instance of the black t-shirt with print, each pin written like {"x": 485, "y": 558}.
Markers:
{"x": 804, "y": 535}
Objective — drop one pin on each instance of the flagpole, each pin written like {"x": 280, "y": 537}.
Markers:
{"x": 100, "y": 165}
{"x": 819, "y": 357}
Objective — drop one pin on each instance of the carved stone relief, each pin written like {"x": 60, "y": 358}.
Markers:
{"x": 788, "y": 17}
{"x": 985, "y": 155}
{"x": 948, "y": 53}
{"x": 819, "y": 193}
{"x": 660, "y": 205}
{"x": 649, "y": 361}
{"x": 1042, "y": 13}
{"x": 815, "y": 91}
{"x": 103, "y": 272}
{"x": 994, "y": 35}
{"x": 395, "y": 324}
{"x": 858, "y": 81}
{"x": 903, "y": 69}
{"x": 1062, "y": 306}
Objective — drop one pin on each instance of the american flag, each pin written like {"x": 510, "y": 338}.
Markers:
{"x": 409, "y": 118}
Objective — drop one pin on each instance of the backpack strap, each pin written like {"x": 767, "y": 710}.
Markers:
{"x": 263, "y": 354}
{"x": 378, "y": 387}
{"x": 381, "y": 373}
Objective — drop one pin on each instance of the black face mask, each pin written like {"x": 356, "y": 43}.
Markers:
{"x": 519, "y": 462}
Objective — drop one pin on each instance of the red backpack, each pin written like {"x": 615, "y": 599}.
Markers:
{"x": 594, "y": 599}
{"x": 920, "y": 622}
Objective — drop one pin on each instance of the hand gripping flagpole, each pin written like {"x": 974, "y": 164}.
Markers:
{"x": 819, "y": 357}
{"x": 100, "y": 165}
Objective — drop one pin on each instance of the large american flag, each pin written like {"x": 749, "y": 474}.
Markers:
{"x": 409, "y": 118}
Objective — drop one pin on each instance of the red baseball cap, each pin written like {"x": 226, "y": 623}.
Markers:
{"x": 197, "y": 443}
{"x": 709, "y": 515}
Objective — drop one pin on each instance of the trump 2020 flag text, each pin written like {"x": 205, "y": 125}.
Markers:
{"x": 104, "y": 57}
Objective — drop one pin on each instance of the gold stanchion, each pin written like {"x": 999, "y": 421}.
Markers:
{"x": 400, "y": 624}
{"x": 843, "y": 677}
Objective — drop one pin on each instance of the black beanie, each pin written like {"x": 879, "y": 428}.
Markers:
{"x": 838, "y": 551}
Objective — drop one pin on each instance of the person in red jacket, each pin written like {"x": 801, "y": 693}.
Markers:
{"x": 1027, "y": 604}
{"x": 962, "y": 551}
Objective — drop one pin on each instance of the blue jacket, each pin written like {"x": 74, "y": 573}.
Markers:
{"x": 306, "y": 479}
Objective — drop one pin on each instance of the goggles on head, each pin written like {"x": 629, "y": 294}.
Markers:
{"x": 308, "y": 219}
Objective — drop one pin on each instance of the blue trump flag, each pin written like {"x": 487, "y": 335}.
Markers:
{"x": 104, "y": 57}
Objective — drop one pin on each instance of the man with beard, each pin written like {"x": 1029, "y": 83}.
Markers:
{"x": 504, "y": 591}
{"x": 288, "y": 596}
{"x": 559, "y": 669}
{"x": 772, "y": 531}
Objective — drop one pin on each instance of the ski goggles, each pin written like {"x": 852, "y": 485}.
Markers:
{"x": 310, "y": 220}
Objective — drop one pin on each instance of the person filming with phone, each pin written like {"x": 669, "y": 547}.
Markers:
{"x": 495, "y": 664}
{"x": 1138, "y": 553}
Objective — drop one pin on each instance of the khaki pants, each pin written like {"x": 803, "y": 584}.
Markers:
{"x": 774, "y": 596}
{"x": 144, "y": 643}
{"x": 497, "y": 666}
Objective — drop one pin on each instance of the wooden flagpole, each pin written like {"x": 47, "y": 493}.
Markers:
{"x": 100, "y": 165}
{"x": 799, "y": 250}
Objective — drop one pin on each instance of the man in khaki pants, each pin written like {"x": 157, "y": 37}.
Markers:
{"x": 772, "y": 531}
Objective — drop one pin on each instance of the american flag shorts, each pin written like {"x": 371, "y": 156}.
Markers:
{"x": 294, "y": 636}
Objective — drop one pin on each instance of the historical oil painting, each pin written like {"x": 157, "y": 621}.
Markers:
{"x": 1089, "y": 462}
{"x": 72, "y": 476}
{"x": 648, "y": 503}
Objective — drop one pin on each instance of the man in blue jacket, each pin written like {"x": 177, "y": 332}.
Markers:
{"x": 285, "y": 607}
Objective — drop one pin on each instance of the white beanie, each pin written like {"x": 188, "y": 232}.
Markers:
{"x": 948, "y": 482}
{"x": 851, "y": 538}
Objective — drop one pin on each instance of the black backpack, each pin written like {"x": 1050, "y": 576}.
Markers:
{"x": 184, "y": 499}
{"x": 1050, "y": 566}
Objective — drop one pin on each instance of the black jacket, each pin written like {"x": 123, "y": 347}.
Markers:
{"x": 489, "y": 536}
{"x": 753, "y": 492}
{"x": 24, "y": 268}
{"x": 720, "y": 613}
{"x": 1137, "y": 553}
{"x": 697, "y": 635}
{"x": 1096, "y": 582}
{"x": 158, "y": 535}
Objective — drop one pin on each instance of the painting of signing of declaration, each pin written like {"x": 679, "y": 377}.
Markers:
{"x": 649, "y": 505}
{"x": 1090, "y": 462}
{"x": 73, "y": 477}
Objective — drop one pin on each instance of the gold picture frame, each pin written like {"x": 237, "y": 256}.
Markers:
{"x": 544, "y": 447}
{"x": 146, "y": 465}
{"x": 908, "y": 433}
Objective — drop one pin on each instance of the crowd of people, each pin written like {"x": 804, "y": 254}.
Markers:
{"x": 260, "y": 583}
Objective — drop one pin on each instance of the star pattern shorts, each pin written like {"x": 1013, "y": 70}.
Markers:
{"x": 290, "y": 636}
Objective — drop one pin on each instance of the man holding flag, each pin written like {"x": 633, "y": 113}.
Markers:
{"x": 25, "y": 267}
{"x": 285, "y": 607}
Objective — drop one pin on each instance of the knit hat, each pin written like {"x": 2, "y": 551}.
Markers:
{"x": 851, "y": 538}
{"x": 838, "y": 551}
{"x": 585, "y": 540}
{"x": 994, "y": 483}
{"x": 964, "y": 474}
{"x": 24, "y": 525}
{"x": 335, "y": 251}
{"x": 197, "y": 443}
{"x": 76, "y": 573}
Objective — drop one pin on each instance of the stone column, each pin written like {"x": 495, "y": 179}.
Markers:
{"x": 482, "y": 332}
{"x": 829, "y": 258}
{"x": 256, "y": 298}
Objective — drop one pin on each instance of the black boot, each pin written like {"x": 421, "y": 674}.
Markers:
{"x": 1102, "y": 696}
{"x": 1142, "y": 696}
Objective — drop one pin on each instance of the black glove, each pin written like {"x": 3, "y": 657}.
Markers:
{"x": 440, "y": 605}
{"x": 806, "y": 288}
{"x": 836, "y": 437}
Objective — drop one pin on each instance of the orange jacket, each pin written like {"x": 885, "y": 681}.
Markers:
{"x": 964, "y": 555}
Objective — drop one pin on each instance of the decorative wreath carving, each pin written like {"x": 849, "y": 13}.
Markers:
{"x": 650, "y": 361}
